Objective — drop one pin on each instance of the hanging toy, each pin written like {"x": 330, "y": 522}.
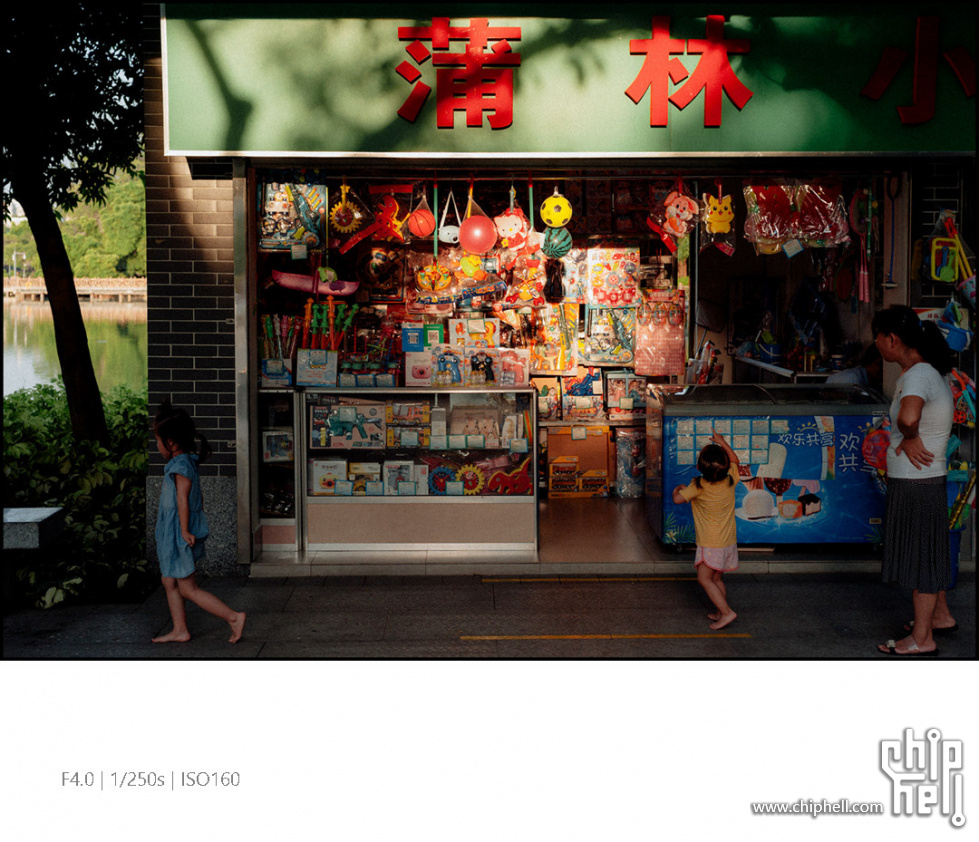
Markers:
{"x": 555, "y": 210}
{"x": 554, "y": 285}
{"x": 512, "y": 228}
{"x": 421, "y": 221}
{"x": 449, "y": 234}
{"x": 390, "y": 220}
{"x": 674, "y": 216}
{"x": 347, "y": 215}
{"x": 717, "y": 215}
{"x": 557, "y": 242}
{"x": 477, "y": 233}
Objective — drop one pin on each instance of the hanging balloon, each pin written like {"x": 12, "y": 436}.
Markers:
{"x": 477, "y": 234}
{"x": 557, "y": 242}
{"x": 555, "y": 210}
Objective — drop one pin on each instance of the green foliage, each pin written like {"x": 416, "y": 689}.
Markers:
{"x": 80, "y": 75}
{"x": 102, "y": 241}
{"x": 102, "y": 553}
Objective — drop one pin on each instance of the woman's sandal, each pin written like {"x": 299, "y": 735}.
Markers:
{"x": 909, "y": 627}
{"x": 891, "y": 649}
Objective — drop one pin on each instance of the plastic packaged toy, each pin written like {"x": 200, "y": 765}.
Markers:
{"x": 292, "y": 214}
{"x": 717, "y": 222}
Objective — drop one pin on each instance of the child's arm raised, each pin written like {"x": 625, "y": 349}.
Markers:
{"x": 183, "y": 507}
{"x": 717, "y": 438}
{"x": 677, "y": 496}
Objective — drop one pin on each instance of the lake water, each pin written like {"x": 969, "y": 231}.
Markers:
{"x": 116, "y": 339}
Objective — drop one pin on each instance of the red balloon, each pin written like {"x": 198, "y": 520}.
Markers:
{"x": 477, "y": 234}
{"x": 421, "y": 223}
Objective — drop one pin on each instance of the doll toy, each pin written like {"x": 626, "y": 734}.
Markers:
{"x": 680, "y": 210}
{"x": 512, "y": 228}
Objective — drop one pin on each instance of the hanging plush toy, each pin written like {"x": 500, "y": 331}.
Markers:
{"x": 675, "y": 216}
{"x": 512, "y": 228}
{"x": 681, "y": 214}
{"x": 717, "y": 216}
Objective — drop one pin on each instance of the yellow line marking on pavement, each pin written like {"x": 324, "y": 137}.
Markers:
{"x": 558, "y": 579}
{"x": 598, "y": 636}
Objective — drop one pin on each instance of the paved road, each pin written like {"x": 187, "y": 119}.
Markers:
{"x": 790, "y": 616}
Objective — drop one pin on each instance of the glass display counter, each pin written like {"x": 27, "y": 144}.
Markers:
{"x": 402, "y": 469}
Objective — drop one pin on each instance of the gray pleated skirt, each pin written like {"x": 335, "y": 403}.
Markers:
{"x": 916, "y": 538}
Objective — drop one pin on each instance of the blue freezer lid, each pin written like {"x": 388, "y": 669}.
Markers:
{"x": 774, "y": 399}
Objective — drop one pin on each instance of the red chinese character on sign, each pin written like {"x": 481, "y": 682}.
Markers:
{"x": 924, "y": 89}
{"x": 478, "y": 80}
{"x": 713, "y": 74}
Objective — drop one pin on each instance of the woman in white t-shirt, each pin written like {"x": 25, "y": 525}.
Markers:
{"x": 916, "y": 541}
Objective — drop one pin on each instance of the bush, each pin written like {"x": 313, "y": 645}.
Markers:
{"x": 101, "y": 555}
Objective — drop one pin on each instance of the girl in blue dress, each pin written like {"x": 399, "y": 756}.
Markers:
{"x": 181, "y": 527}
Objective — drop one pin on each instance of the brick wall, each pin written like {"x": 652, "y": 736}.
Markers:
{"x": 190, "y": 305}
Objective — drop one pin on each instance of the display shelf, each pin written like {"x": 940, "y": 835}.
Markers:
{"x": 410, "y": 468}
{"x": 278, "y": 524}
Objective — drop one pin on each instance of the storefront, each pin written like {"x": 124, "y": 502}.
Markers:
{"x": 465, "y": 249}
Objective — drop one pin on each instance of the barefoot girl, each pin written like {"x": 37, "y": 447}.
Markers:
{"x": 181, "y": 527}
{"x": 711, "y": 496}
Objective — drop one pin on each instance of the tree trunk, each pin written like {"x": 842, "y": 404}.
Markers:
{"x": 71, "y": 339}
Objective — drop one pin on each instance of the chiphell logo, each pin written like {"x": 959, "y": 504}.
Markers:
{"x": 925, "y": 774}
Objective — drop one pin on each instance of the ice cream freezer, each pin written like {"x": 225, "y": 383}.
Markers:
{"x": 803, "y": 475}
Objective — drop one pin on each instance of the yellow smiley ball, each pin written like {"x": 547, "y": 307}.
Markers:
{"x": 555, "y": 211}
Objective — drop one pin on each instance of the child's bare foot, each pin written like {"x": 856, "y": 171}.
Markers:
{"x": 723, "y": 620}
{"x": 237, "y": 626}
{"x": 173, "y": 637}
{"x": 714, "y": 615}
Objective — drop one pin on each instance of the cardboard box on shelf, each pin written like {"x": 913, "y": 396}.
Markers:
{"x": 362, "y": 473}
{"x": 276, "y": 372}
{"x": 322, "y": 475}
{"x": 316, "y": 367}
{"x": 625, "y": 396}
{"x": 581, "y": 461}
{"x": 348, "y": 426}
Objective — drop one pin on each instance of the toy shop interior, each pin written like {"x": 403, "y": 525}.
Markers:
{"x": 498, "y": 360}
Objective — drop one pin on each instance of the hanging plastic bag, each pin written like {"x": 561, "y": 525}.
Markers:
{"x": 768, "y": 224}
{"x": 822, "y": 214}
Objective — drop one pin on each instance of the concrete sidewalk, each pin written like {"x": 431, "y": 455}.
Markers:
{"x": 781, "y": 616}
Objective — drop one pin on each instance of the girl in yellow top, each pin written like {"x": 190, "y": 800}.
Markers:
{"x": 711, "y": 496}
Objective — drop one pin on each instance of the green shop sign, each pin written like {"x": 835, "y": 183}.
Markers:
{"x": 432, "y": 81}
